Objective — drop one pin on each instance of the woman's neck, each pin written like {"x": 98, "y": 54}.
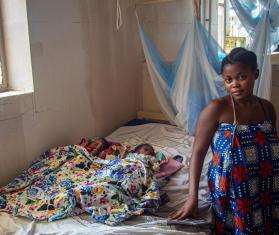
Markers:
{"x": 246, "y": 101}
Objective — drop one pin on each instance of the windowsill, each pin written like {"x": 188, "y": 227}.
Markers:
{"x": 14, "y": 104}
{"x": 10, "y": 94}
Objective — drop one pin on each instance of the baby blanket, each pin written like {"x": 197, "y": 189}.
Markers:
{"x": 69, "y": 180}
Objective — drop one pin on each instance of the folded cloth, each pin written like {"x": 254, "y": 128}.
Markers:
{"x": 168, "y": 168}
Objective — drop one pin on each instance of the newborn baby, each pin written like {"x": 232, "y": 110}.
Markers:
{"x": 148, "y": 150}
{"x": 167, "y": 165}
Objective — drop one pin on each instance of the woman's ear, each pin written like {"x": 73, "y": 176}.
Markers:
{"x": 257, "y": 73}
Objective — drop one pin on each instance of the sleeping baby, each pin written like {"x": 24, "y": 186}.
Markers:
{"x": 168, "y": 165}
{"x": 109, "y": 150}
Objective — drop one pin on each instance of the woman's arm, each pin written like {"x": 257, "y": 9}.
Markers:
{"x": 206, "y": 127}
{"x": 273, "y": 114}
{"x": 270, "y": 111}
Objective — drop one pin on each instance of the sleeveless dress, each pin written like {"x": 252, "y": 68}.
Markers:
{"x": 243, "y": 178}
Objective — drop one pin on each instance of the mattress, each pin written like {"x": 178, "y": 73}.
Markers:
{"x": 172, "y": 141}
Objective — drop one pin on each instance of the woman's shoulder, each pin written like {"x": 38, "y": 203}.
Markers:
{"x": 220, "y": 103}
{"x": 215, "y": 109}
{"x": 266, "y": 103}
{"x": 268, "y": 108}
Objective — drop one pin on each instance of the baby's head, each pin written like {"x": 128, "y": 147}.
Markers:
{"x": 145, "y": 149}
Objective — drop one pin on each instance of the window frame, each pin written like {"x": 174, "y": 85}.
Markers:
{"x": 206, "y": 14}
{"x": 224, "y": 5}
{"x": 4, "y": 84}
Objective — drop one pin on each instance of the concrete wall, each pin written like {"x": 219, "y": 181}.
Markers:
{"x": 115, "y": 64}
{"x": 78, "y": 61}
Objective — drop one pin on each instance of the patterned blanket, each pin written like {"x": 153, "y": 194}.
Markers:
{"x": 69, "y": 180}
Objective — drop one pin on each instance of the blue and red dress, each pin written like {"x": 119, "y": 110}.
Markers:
{"x": 243, "y": 179}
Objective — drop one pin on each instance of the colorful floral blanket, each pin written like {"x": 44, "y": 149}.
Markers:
{"x": 69, "y": 180}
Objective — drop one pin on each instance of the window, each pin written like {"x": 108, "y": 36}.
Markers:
{"x": 219, "y": 17}
{"x": 206, "y": 14}
{"x": 221, "y": 22}
{"x": 3, "y": 79}
{"x": 232, "y": 33}
{"x": 15, "y": 55}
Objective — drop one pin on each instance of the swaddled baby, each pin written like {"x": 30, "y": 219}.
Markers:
{"x": 167, "y": 164}
{"x": 163, "y": 165}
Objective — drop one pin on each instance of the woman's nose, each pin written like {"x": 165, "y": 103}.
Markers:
{"x": 235, "y": 84}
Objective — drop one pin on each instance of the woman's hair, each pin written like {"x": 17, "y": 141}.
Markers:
{"x": 150, "y": 148}
{"x": 240, "y": 55}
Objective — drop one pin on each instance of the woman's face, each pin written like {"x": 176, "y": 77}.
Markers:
{"x": 239, "y": 80}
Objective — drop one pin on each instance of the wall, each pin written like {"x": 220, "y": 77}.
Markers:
{"x": 115, "y": 63}
{"x": 78, "y": 62}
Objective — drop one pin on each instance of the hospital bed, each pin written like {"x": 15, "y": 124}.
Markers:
{"x": 167, "y": 138}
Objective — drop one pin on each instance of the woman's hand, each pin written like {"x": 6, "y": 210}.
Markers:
{"x": 189, "y": 209}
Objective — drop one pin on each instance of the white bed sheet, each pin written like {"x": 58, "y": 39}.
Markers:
{"x": 166, "y": 138}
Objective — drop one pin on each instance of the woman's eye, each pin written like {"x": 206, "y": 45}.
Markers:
{"x": 228, "y": 80}
{"x": 242, "y": 77}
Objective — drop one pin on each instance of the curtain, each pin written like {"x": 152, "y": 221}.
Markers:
{"x": 261, "y": 22}
{"x": 184, "y": 87}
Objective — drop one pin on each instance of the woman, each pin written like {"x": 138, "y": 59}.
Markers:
{"x": 244, "y": 170}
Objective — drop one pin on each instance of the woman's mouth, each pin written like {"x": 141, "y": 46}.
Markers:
{"x": 237, "y": 93}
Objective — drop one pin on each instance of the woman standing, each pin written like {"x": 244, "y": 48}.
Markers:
{"x": 243, "y": 175}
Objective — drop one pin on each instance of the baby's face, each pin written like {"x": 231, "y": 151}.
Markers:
{"x": 145, "y": 150}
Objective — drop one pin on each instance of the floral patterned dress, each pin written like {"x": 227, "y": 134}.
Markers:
{"x": 243, "y": 179}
